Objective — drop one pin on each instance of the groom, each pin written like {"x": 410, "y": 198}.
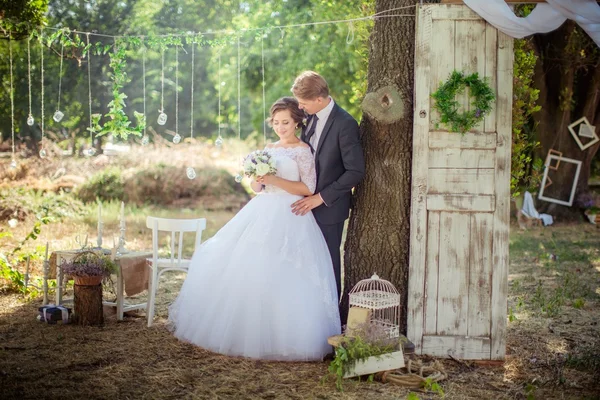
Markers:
{"x": 332, "y": 134}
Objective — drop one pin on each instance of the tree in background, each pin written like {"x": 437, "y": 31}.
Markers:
{"x": 567, "y": 74}
{"x": 526, "y": 168}
{"x": 18, "y": 17}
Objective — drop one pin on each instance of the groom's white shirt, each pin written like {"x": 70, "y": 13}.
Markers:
{"x": 323, "y": 115}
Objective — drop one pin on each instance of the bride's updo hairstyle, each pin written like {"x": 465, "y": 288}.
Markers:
{"x": 291, "y": 104}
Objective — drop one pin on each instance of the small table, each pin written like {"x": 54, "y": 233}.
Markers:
{"x": 132, "y": 278}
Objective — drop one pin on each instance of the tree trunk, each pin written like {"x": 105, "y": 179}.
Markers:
{"x": 88, "y": 305}
{"x": 569, "y": 89}
{"x": 379, "y": 230}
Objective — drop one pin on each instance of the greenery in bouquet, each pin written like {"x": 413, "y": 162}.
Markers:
{"x": 89, "y": 264}
{"x": 259, "y": 163}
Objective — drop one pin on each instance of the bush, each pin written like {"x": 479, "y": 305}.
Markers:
{"x": 106, "y": 185}
{"x": 166, "y": 184}
{"x": 19, "y": 203}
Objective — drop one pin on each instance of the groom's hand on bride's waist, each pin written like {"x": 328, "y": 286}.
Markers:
{"x": 301, "y": 207}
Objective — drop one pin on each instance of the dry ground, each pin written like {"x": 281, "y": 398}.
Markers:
{"x": 553, "y": 341}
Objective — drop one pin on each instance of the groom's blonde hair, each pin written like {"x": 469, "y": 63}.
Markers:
{"x": 309, "y": 85}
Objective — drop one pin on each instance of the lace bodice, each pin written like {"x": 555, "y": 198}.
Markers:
{"x": 293, "y": 164}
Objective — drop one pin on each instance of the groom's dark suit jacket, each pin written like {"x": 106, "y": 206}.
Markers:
{"x": 340, "y": 165}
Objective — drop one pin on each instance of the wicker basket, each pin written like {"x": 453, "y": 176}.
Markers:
{"x": 87, "y": 280}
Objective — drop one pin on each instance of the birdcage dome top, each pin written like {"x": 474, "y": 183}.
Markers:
{"x": 374, "y": 283}
{"x": 374, "y": 293}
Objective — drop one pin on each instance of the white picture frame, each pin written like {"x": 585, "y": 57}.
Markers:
{"x": 587, "y": 130}
{"x": 545, "y": 178}
{"x": 595, "y": 138}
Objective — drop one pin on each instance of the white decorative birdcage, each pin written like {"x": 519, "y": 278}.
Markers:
{"x": 382, "y": 299}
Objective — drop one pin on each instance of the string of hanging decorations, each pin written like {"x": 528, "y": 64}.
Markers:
{"x": 160, "y": 42}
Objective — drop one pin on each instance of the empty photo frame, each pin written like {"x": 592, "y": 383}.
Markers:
{"x": 589, "y": 132}
{"x": 546, "y": 181}
{"x": 548, "y": 163}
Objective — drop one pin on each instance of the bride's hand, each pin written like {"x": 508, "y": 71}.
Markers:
{"x": 266, "y": 179}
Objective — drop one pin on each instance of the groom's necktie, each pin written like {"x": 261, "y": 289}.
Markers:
{"x": 311, "y": 131}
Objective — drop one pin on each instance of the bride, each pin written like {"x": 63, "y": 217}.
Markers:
{"x": 263, "y": 286}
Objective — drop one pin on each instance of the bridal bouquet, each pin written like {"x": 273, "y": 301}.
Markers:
{"x": 259, "y": 163}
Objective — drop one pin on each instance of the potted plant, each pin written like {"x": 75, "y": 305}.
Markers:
{"x": 592, "y": 213}
{"x": 89, "y": 268}
{"x": 370, "y": 349}
{"x": 586, "y": 202}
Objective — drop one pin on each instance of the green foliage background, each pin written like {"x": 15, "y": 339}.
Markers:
{"x": 324, "y": 48}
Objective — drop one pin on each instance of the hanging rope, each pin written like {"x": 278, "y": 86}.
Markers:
{"x": 177, "y": 137}
{"x": 162, "y": 81}
{"x": 416, "y": 375}
{"x": 42, "y": 151}
{"x": 192, "y": 96}
{"x": 381, "y": 14}
{"x": 162, "y": 117}
{"x": 239, "y": 90}
{"x": 264, "y": 100}
{"x": 239, "y": 177}
{"x": 219, "y": 140}
{"x": 13, "y": 162}
{"x": 62, "y": 47}
{"x": 190, "y": 171}
{"x": 350, "y": 35}
{"x": 30, "y": 120}
{"x": 89, "y": 70}
{"x": 145, "y": 136}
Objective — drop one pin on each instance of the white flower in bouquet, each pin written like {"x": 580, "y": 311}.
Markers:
{"x": 259, "y": 163}
{"x": 262, "y": 169}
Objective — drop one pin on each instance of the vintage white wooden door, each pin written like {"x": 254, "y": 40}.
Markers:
{"x": 460, "y": 193}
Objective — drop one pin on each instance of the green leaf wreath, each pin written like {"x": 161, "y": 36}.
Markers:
{"x": 482, "y": 94}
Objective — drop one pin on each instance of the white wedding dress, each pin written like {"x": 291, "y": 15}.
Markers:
{"x": 263, "y": 286}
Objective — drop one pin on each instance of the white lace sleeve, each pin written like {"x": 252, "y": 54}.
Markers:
{"x": 306, "y": 166}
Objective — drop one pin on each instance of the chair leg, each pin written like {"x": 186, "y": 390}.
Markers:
{"x": 152, "y": 297}
{"x": 120, "y": 295}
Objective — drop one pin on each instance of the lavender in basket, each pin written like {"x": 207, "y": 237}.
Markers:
{"x": 88, "y": 265}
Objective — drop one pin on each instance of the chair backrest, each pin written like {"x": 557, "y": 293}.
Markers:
{"x": 175, "y": 226}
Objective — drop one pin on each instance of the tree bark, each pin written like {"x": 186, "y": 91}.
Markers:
{"x": 379, "y": 230}
{"x": 569, "y": 90}
{"x": 88, "y": 305}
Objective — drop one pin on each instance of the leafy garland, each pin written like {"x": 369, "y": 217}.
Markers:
{"x": 482, "y": 94}
{"x": 118, "y": 123}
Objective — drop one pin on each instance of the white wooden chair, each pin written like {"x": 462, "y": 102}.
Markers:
{"x": 175, "y": 262}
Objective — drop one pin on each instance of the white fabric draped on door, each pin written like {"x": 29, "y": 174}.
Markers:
{"x": 544, "y": 18}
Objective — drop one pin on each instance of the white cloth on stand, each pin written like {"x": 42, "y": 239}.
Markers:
{"x": 544, "y": 17}
{"x": 529, "y": 210}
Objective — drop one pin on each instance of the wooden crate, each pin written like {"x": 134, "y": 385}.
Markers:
{"x": 370, "y": 365}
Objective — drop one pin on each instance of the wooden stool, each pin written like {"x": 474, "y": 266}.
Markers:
{"x": 87, "y": 302}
